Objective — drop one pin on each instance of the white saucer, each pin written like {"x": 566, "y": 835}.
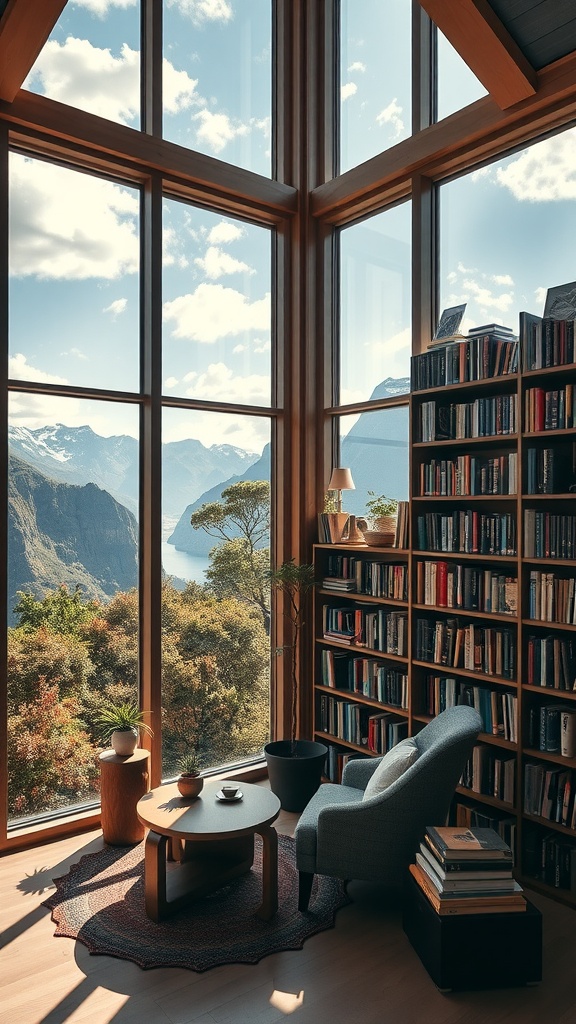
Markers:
{"x": 228, "y": 799}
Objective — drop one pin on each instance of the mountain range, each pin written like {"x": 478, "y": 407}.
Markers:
{"x": 73, "y": 495}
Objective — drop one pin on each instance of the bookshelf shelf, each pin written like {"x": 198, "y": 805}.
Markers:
{"x": 509, "y": 465}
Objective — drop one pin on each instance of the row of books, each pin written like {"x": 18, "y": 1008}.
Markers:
{"x": 552, "y": 728}
{"x": 469, "y": 475}
{"x": 551, "y": 662}
{"x": 472, "y": 358}
{"x": 337, "y": 760}
{"x": 551, "y": 859}
{"x": 545, "y": 342}
{"x": 549, "y": 410}
{"x": 552, "y": 598}
{"x": 450, "y": 585}
{"x": 492, "y": 416}
{"x": 367, "y": 627}
{"x": 549, "y": 534}
{"x": 365, "y": 676}
{"x": 467, "y": 871}
{"x": 490, "y": 773}
{"x": 549, "y": 470}
{"x": 477, "y": 648}
{"x": 549, "y": 793}
{"x": 467, "y": 531}
{"x": 366, "y": 576}
{"x": 497, "y": 708}
{"x": 356, "y": 723}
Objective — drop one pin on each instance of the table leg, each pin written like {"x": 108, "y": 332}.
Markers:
{"x": 155, "y": 875}
{"x": 269, "y": 872}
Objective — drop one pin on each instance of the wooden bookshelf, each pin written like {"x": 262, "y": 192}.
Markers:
{"x": 509, "y": 459}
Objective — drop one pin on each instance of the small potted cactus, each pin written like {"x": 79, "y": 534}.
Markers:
{"x": 190, "y": 782}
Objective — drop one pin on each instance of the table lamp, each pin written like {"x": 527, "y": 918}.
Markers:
{"x": 341, "y": 480}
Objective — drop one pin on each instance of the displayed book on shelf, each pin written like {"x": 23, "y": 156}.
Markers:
{"x": 467, "y": 532}
{"x": 491, "y": 773}
{"x": 472, "y": 646}
{"x": 469, "y": 475}
{"x": 551, "y": 597}
{"x": 549, "y": 409}
{"x": 549, "y": 534}
{"x": 366, "y": 676}
{"x": 551, "y": 661}
{"x": 545, "y": 341}
{"x": 494, "y": 416}
{"x": 451, "y": 585}
{"x": 497, "y": 708}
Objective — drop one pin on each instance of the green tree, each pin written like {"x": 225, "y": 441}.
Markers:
{"x": 60, "y": 611}
{"x": 241, "y": 520}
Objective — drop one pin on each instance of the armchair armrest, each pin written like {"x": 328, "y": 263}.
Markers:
{"x": 357, "y": 773}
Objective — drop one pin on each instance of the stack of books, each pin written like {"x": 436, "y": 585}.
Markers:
{"x": 467, "y": 871}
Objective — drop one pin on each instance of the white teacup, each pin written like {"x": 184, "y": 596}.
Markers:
{"x": 229, "y": 791}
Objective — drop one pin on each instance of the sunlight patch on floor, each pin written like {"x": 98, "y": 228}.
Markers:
{"x": 286, "y": 1002}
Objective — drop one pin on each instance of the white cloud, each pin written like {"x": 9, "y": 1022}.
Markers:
{"x": 545, "y": 172}
{"x": 391, "y": 115}
{"x": 170, "y": 382}
{"x": 218, "y": 383}
{"x": 248, "y": 432}
{"x": 263, "y": 346}
{"x": 348, "y": 90}
{"x": 91, "y": 78}
{"x": 217, "y": 130}
{"x": 116, "y": 308}
{"x": 503, "y": 279}
{"x": 486, "y": 299}
{"x": 102, "y": 7}
{"x": 20, "y": 369}
{"x": 224, "y": 231}
{"x": 356, "y": 65}
{"x": 213, "y": 312}
{"x": 82, "y": 75}
{"x": 76, "y": 353}
{"x": 238, "y": 349}
{"x": 391, "y": 355}
{"x": 66, "y": 225}
{"x": 215, "y": 263}
{"x": 203, "y": 10}
{"x": 540, "y": 296}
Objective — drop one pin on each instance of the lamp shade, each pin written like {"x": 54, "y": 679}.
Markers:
{"x": 341, "y": 480}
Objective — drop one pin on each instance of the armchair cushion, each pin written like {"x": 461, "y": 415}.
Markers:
{"x": 391, "y": 767}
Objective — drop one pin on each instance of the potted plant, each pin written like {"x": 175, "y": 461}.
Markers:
{"x": 294, "y": 765}
{"x": 382, "y": 513}
{"x": 121, "y": 724}
{"x": 189, "y": 781}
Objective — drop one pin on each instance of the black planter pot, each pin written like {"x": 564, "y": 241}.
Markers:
{"x": 295, "y": 770}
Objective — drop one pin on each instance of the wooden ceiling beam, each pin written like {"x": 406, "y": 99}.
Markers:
{"x": 24, "y": 28}
{"x": 475, "y": 31}
{"x": 473, "y": 135}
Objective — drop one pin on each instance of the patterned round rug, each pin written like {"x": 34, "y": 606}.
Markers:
{"x": 100, "y": 902}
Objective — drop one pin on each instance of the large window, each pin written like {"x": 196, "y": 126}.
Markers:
{"x": 506, "y": 233}
{"x": 375, "y": 298}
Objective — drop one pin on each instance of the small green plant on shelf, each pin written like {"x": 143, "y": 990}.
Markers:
{"x": 121, "y": 725}
{"x": 379, "y": 505}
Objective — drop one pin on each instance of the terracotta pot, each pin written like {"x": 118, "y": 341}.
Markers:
{"x": 190, "y": 786}
{"x": 123, "y": 742}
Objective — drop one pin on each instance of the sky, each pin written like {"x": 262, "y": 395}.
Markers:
{"x": 506, "y": 230}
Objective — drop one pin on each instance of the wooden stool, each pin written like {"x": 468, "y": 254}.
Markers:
{"x": 123, "y": 782}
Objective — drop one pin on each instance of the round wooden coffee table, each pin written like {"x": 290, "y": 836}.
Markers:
{"x": 208, "y": 842}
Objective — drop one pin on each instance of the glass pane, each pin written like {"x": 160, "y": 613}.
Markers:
{"x": 217, "y": 314}
{"x": 74, "y": 271}
{"x": 375, "y": 306}
{"x": 487, "y": 219}
{"x": 374, "y": 446}
{"x": 375, "y": 77}
{"x": 72, "y": 592}
{"x": 216, "y": 606}
{"x": 92, "y": 60}
{"x": 217, "y": 79}
{"x": 457, "y": 84}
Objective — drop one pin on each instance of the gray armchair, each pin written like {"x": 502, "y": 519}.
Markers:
{"x": 346, "y": 836}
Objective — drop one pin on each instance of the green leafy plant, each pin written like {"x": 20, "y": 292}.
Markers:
{"x": 294, "y": 582}
{"x": 124, "y": 717}
{"x": 189, "y": 764}
{"x": 379, "y": 505}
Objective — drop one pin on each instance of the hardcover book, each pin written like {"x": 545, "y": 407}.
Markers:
{"x": 453, "y": 843}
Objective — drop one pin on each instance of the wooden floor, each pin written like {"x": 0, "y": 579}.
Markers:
{"x": 363, "y": 971}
